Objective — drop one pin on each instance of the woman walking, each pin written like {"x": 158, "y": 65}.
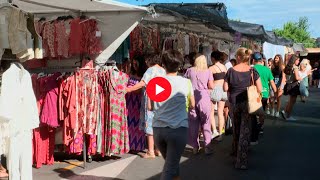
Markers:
{"x": 277, "y": 69}
{"x": 146, "y": 116}
{"x": 202, "y": 81}
{"x": 218, "y": 96}
{"x": 170, "y": 122}
{"x": 237, "y": 80}
{"x": 292, "y": 86}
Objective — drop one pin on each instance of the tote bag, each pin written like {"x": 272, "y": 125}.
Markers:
{"x": 254, "y": 98}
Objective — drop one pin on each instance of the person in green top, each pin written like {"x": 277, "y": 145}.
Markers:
{"x": 266, "y": 77}
{"x": 267, "y": 81}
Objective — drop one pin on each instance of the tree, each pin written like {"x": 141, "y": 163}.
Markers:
{"x": 298, "y": 32}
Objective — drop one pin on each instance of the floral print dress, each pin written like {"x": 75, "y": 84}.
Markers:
{"x": 117, "y": 138}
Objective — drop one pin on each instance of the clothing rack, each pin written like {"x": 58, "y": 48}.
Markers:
{"x": 53, "y": 69}
{"x": 66, "y": 69}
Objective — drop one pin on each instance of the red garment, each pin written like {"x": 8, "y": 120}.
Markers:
{"x": 49, "y": 40}
{"x": 62, "y": 39}
{"x": 87, "y": 100}
{"x": 90, "y": 44}
{"x": 68, "y": 108}
{"x": 39, "y": 27}
{"x": 136, "y": 44}
{"x": 76, "y": 144}
{"x": 43, "y": 146}
{"x": 75, "y": 37}
{"x": 49, "y": 113}
{"x": 91, "y": 144}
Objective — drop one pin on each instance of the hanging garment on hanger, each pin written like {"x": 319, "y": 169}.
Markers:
{"x": 91, "y": 41}
{"x": 18, "y": 105}
{"x": 86, "y": 98}
{"x": 5, "y": 13}
{"x": 4, "y": 135}
{"x": 49, "y": 114}
{"x": 75, "y": 37}
{"x": 37, "y": 45}
{"x": 117, "y": 141}
{"x": 49, "y": 39}
{"x": 133, "y": 100}
{"x": 62, "y": 39}
{"x": 18, "y": 32}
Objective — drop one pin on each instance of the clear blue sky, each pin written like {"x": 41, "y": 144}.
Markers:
{"x": 270, "y": 13}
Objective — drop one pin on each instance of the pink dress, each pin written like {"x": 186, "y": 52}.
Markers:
{"x": 117, "y": 138}
{"x": 49, "y": 112}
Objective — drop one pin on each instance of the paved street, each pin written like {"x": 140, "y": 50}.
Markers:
{"x": 288, "y": 150}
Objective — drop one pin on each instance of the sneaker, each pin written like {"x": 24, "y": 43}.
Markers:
{"x": 284, "y": 114}
{"x": 254, "y": 143}
{"x": 268, "y": 111}
{"x": 272, "y": 112}
{"x": 277, "y": 114}
{"x": 215, "y": 134}
{"x": 291, "y": 119}
{"x": 208, "y": 151}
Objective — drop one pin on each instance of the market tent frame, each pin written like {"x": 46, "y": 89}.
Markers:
{"x": 207, "y": 19}
{"x": 115, "y": 20}
{"x": 212, "y": 15}
{"x": 250, "y": 30}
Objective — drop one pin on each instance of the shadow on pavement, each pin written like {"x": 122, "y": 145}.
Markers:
{"x": 287, "y": 150}
{"x": 70, "y": 175}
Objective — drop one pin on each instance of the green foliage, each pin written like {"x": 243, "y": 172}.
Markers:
{"x": 298, "y": 32}
{"x": 237, "y": 20}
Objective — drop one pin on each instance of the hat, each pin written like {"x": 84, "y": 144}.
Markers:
{"x": 257, "y": 56}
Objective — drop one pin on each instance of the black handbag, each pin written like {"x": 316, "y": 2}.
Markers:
{"x": 292, "y": 88}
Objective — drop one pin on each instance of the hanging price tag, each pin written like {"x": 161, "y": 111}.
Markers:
{"x": 68, "y": 31}
{"x": 98, "y": 33}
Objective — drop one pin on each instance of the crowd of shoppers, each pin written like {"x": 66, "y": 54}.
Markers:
{"x": 200, "y": 91}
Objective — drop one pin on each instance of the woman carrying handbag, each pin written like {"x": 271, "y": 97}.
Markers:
{"x": 237, "y": 80}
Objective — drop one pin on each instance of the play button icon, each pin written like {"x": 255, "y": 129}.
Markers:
{"x": 159, "y": 89}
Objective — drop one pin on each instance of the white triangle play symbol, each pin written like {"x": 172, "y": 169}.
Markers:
{"x": 159, "y": 89}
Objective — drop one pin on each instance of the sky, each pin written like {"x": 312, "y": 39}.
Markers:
{"x": 269, "y": 13}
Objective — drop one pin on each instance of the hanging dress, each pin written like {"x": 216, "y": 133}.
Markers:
{"x": 136, "y": 136}
{"x": 117, "y": 139}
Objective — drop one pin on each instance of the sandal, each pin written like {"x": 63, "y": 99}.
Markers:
{"x": 158, "y": 153}
{"x": 149, "y": 155}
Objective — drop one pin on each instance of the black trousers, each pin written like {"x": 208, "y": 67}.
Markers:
{"x": 255, "y": 126}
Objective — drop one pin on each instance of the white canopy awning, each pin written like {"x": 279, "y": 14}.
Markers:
{"x": 116, "y": 20}
{"x": 46, "y": 6}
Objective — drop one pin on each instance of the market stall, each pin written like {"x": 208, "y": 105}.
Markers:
{"x": 190, "y": 27}
{"x": 65, "y": 39}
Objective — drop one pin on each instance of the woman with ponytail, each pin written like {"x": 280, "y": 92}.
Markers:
{"x": 237, "y": 80}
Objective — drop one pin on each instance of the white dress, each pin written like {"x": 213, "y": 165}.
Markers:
{"x": 18, "y": 106}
